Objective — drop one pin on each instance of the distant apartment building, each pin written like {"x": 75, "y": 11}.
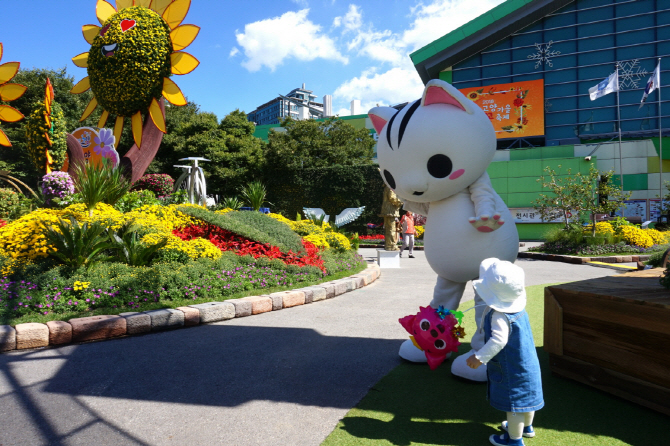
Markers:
{"x": 299, "y": 104}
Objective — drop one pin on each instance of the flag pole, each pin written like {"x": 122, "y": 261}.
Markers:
{"x": 660, "y": 135}
{"x": 618, "y": 113}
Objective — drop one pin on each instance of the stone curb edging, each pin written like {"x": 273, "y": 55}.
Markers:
{"x": 581, "y": 260}
{"x": 56, "y": 333}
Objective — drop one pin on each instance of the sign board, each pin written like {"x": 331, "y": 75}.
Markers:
{"x": 634, "y": 208}
{"x": 532, "y": 215}
{"x": 95, "y": 147}
{"x": 516, "y": 110}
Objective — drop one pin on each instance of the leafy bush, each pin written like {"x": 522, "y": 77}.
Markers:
{"x": 9, "y": 201}
{"x": 130, "y": 249}
{"x": 160, "y": 184}
{"x": 76, "y": 245}
{"x": 136, "y": 199}
{"x": 100, "y": 184}
{"x": 231, "y": 203}
{"x": 254, "y": 194}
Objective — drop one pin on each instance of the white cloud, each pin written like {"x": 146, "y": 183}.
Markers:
{"x": 351, "y": 21}
{"x": 395, "y": 80}
{"x": 394, "y": 86}
{"x": 292, "y": 35}
{"x": 234, "y": 52}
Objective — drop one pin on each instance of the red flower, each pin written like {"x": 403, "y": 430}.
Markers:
{"x": 518, "y": 102}
{"x": 229, "y": 241}
{"x": 2, "y": 223}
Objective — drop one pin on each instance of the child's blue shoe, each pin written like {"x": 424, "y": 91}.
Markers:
{"x": 528, "y": 431}
{"x": 504, "y": 440}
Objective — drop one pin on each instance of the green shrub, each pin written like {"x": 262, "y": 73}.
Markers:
{"x": 100, "y": 184}
{"x": 254, "y": 194}
{"x": 9, "y": 201}
{"x": 129, "y": 247}
{"x": 160, "y": 184}
{"x": 76, "y": 245}
{"x": 136, "y": 199}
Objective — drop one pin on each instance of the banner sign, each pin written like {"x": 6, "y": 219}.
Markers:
{"x": 97, "y": 144}
{"x": 516, "y": 110}
{"x": 634, "y": 208}
{"x": 532, "y": 215}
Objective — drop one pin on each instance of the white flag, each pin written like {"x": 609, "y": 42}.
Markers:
{"x": 653, "y": 83}
{"x": 607, "y": 86}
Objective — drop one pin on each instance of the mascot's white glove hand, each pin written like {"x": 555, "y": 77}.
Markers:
{"x": 484, "y": 223}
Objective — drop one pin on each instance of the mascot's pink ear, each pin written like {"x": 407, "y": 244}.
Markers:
{"x": 441, "y": 92}
{"x": 408, "y": 322}
{"x": 380, "y": 116}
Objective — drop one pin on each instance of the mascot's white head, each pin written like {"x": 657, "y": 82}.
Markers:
{"x": 434, "y": 147}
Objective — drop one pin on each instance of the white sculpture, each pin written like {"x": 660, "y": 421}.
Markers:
{"x": 346, "y": 216}
{"x": 193, "y": 180}
{"x": 434, "y": 153}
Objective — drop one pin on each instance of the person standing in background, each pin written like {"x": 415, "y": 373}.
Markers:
{"x": 408, "y": 232}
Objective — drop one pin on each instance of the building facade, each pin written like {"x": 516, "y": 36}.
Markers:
{"x": 548, "y": 54}
{"x": 299, "y": 104}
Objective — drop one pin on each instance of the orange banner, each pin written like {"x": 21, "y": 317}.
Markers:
{"x": 97, "y": 144}
{"x": 516, "y": 110}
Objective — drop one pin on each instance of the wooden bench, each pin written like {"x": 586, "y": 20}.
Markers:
{"x": 612, "y": 333}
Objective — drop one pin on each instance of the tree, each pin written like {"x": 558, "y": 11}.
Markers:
{"x": 17, "y": 159}
{"x": 235, "y": 154}
{"x": 590, "y": 194}
{"x": 311, "y": 143}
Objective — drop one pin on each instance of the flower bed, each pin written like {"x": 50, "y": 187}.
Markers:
{"x": 201, "y": 260}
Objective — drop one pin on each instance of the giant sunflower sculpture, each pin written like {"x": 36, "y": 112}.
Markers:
{"x": 9, "y": 92}
{"x": 132, "y": 56}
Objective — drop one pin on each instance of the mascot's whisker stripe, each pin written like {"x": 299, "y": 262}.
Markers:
{"x": 405, "y": 120}
{"x": 388, "y": 130}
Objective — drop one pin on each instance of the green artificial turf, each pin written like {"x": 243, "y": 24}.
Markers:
{"x": 413, "y": 405}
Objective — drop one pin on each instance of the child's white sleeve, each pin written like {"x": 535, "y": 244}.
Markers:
{"x": 499, "y": 336}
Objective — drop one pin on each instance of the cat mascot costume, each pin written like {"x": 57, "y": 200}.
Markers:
{"x": 434, "y": 153}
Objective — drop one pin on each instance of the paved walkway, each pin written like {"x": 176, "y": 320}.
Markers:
{"x": 280, "y": 378}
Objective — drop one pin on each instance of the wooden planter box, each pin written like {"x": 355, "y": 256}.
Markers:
{"x": 612, "y": 333}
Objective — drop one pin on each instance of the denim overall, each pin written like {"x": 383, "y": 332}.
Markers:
{"x": 514, "y": 381}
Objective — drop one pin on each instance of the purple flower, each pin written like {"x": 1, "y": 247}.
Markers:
{"x": 104, "y": 142}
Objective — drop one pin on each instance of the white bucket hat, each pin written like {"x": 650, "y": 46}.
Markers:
{"x": 501, "y": 285}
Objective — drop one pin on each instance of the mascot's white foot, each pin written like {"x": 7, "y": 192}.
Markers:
{"x": 461, "y": 369}
{"x": 409, "y": 352}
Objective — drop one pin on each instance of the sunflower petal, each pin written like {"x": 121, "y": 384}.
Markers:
{"x": 4, "y": 141}
{"x": 0, "y": 51}
{"x": 183, "y": 63}
{"x": 182, "y": 36}
{"x": 172, "y": 93}
{"x": 81, "y": 60}
{"x": 82, "y": 86}
{"x": 90, "y": 32}
{"x": 10, "y": 114}
{"x": 103, "y": 11}
{"x": 145, "y": 3}
{"x": 9, "y": 92}
{"x": 157, "y": 115}
{"x": 176, "y": 12}
{"x": 103, "y": 119}
{"x": 118, "y": 128}
{"x": 89, "y": 109}
{"x": 160, "y": 5}
{"x": 121, "y": 4}
{"x": 8, "y": 71}
{"x": 136, "y": 124}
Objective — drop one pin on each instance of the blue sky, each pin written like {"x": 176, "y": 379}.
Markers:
{"x": 252, "y": 50}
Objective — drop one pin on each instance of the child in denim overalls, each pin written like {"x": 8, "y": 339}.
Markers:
{"x": 513, "y": 370}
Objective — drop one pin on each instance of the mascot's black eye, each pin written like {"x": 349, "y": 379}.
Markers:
{"x": 439, "y": 166}
{"x": 390, "y": 180}
{"x": 425, "y": 325}
{"x": 439, "y": 344}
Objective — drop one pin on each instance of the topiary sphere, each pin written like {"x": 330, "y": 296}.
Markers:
{"x": 129, "y": 59}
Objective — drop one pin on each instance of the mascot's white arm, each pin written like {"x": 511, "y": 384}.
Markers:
{"x": 484, "y": 198}
{"x": 416, "y": 207}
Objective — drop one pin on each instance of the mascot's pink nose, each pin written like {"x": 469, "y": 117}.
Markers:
{"x": 456, "y": 174}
